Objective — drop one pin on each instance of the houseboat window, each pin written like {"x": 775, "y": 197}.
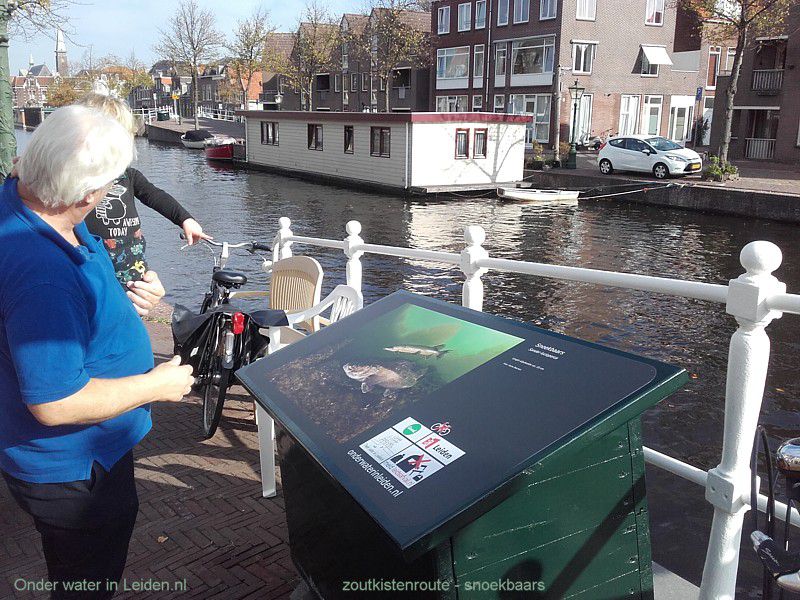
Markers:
{"x": 587, "y": 10}
{"x": 348, "y": 139}
{"x": 502, "y": 12}
{"x": 654, "y": 15}
{"x": 269, "y": 133}
{"x": 402, "y": 78}
{"x": 314, "y": 137}
{"x": 479, "y": 148}
{"x": 499, "y": 103}
{"x": 462, "y": 143}
{"x": 444, "y": 20}
{"x": 380, "y": 141}
{"x": 464, "y": 16}
{"x": 452, "y": 63}
{"x": 533, "y": 55}
{"x": 480, "y": 14}
{"x": 477, "y": 103}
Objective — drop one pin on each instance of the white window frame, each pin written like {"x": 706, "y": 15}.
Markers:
{"x": 718, "y": 51}
{"x": 646, "y": 70}
{"x": 442, "y": 53}
{"x": 353, "y": 82}
{"x": 465, "y": 16}
{"x": 551, "y": 6}
{"x": 586, "y": 4}
{"x": 646, "y": 105}
{"x": 475, "y": 53}
{"x": 345, "y": 57}
{"x": 478, "y": 104}
{"x": 584, "y": 47}
{"x": 635, "y": 113}
{"x": 500, "y": 49}
{"x": 730, "y": 57}
{"x": 538, "y": 115}
{"x": 365, "y": 82}
{"x": 444, "y": 20}
{"x": 521, "y": 6}
{"x": 534, "y": 42}
{"x": 480, "y": 24}
{"x": 502, "y": 104}
{"x": 508, "y": 7}
{"x": 654, "y": 7}
{"x": 337, "y": 83}
{"x": 451, "y": 103}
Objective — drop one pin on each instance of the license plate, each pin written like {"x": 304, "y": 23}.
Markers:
{"x": 694, "y": 167}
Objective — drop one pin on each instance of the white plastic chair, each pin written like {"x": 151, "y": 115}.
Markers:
{"x": 342, "y": 302}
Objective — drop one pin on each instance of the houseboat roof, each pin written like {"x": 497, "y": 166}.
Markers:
{"x": 390, "y": 117}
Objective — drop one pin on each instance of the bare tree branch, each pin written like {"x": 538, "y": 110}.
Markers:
{"x": 248, "y": 49}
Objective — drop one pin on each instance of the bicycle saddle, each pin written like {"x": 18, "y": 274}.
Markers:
{"x": 229, "y": 278}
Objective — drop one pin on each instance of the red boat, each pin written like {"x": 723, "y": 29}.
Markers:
{"x": 220, "y": 149}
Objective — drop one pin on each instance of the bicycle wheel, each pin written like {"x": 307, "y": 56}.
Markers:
{"x": 214, "y": 395}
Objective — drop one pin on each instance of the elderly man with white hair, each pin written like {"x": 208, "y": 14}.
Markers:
{"x": 76, "y": 365}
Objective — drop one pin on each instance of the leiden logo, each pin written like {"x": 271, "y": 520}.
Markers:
{"x": 441, "y": 428}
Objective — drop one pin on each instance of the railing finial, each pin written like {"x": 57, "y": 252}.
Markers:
{"x": 353, "y": 228}
{"x": 474, "y": 235}
{"x": 760, "y": 258}
{"x": 280, "y": 247}
{"x": 472, "y": 292}
{"x": 353, "y": 252}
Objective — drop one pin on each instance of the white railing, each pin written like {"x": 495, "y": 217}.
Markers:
{"x": 767, "y": 80}
{"x": 219, "y": 114}
{"x": 148, "y": 114}
{"x": 754, "y": 299}
{"x": 759, "y": 148}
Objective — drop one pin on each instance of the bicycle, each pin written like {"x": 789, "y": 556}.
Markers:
{"x": 228, "y": 342}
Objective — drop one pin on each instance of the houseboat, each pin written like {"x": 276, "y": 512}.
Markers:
{"x": 410, "y": 152}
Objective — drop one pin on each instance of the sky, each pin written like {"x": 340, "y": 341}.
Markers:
{"x": 121, "y": 26}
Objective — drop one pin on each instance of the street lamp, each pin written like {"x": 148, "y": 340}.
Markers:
{"x": 576, "y": 93}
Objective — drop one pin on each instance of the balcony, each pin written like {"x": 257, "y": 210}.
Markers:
{"x": 767, "y": 82}
{"x": 759, "y": 148}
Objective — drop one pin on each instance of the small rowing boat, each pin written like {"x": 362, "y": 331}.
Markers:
{"x": 532, "y": 195}
{"x": 220, "y": 148}
{"x": 195, "y": 139}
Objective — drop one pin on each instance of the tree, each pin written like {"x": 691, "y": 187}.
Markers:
{"x": 191, "y": 38}
{"x": 316, "y": 50}
{"x": 66, "y": 90}
{"x": 248, "y": 48}
{"x": 392, "y": 39}
{"x": 742, "y": 20}
{"x": 31, "y": 17}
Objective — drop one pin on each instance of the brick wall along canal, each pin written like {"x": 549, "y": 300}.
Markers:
{"x": 241, "y": 205}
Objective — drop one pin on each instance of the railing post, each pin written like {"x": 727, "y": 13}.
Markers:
{"x": 472, "y": 293}
{"x": 352, "y": 243}
{"x": 728, "y": 484}
{"x": 280, "y": 247}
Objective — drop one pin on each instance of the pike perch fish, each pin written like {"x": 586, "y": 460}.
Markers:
{"x": 394, "y": 376}
{"x": 423, "y": 351}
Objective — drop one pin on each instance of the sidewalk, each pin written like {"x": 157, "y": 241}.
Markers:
{"x": 201, "y": 516}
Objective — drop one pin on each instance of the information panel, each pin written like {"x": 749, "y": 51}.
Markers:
{"x": 421, "y": 409}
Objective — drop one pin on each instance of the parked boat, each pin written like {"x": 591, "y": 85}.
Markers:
{"x": 196, "y": 138}
{"x": 532, "y": 195}
{"x": 220, "y": 148}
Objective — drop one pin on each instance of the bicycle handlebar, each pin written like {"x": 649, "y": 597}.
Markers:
{"x": 253, "y": 246}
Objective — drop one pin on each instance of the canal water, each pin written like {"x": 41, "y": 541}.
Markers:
{"x": 240, "y": 205}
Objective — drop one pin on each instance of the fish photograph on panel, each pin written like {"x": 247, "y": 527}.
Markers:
{"x": 386, "y": 364}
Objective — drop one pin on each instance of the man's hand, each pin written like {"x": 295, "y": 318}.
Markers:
{"x": 145, "y": 293}
{"x": 174, "y": 380}
{"x": 194, "y": 232}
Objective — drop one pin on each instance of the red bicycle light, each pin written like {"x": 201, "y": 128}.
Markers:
{"x": 238, "y": 323}
{"x": 603, "y": 145}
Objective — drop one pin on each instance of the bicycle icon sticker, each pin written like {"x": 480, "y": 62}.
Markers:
{"x": 441, "y": 428}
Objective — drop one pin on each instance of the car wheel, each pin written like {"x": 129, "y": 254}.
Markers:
{"x": 605, "y": 167}
{"x": 661, "y": 171}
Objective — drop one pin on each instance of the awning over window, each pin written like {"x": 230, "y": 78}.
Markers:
{"x": 656, "y": 55}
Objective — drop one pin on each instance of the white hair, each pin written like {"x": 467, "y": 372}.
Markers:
{"x": 75, "y": 151}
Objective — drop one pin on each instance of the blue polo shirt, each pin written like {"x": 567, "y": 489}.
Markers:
{"x": 64, "y": 319}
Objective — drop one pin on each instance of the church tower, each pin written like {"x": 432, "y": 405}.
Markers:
{"x": 62, "y": 66}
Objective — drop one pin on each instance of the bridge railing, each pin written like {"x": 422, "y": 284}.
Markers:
{"x": 754, "y": 299}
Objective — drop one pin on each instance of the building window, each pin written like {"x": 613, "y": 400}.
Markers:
{"x": 547, "y": 9}
{"x": 337, "y": 83}
{"x": 713, "y": 67}
{"x": 345, "y": 99}
{"x": 451, "y": 103}
{"x": 314, "y": 137}
{"x": 401, "y": 78}
{"x": 730, "y": 56}
{"x": 538, "y": 106}
{"x": 500, "y": 61}
{"x": 464, "y": 17}
{"x": 354, "y": 82}
{"x": 582, "y": 58}
{"x": 365, "y": 82}
{"x": 479, "y": 147}
{"x": 269, "y": 133}
{"x": 628, "y": 115}
{"x": 477, "y": 63}
{"x": 586, "y": 10}
{"x": 480, "y": 14}
{"x": 381, "y": 83}
{"x": 654, "y": 13}
{"x": 502, "y": 12}
{"x": 648, "y": 70}
{"x": 522, "y": 9}
{"x": 499, "y": 103}
{"x": 444, "y": 20}
{"x": 462, "y": 143}
{"x": 452, "y": 63}
{"x": 380, "y": 141}
{"x": 533, "y": 55}
{"x": 349, "y": 140}
{"x": 651, "y": 124}
{"x": 477, "y": 103}
{"x": 345, "y": 82}
{"x": 345, "y": 58}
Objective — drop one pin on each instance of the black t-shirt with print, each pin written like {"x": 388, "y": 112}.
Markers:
{"x": 116, "y": 221}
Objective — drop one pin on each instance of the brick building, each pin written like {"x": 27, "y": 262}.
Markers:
{"x": 766, "y": 116}
{"x": 29, "y": 88}
{"x": 520, "y": 56}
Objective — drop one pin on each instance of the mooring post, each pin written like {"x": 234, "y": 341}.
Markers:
{"x": 281, "y": 248}
{"x": 352, "y": 245}
{"x": 472, "y": 294}
{"x": 728, "y": 484}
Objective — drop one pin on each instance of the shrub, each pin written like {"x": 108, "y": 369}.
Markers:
{"x": 537, "y": 150}
{"x": 718, "y": 171}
